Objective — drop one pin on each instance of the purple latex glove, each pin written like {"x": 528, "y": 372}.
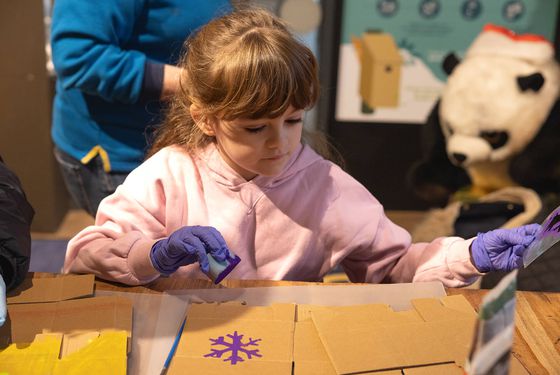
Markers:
{"x": 2, "y": 301}
{"x": 502, "y": 249}
{"x": 188, "y": 245}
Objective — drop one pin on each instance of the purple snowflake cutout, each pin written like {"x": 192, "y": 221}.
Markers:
{"x": 236, "y": 346}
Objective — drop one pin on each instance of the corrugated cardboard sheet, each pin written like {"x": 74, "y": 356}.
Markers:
{"x": 254, "y": 340}
{"x": 432, "y": 338}
{"x": 48, "y": 326}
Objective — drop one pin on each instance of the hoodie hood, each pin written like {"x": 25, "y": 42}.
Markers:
{"x": 224, "y": 175}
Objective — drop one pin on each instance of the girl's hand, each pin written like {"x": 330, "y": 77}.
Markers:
{"x": 502, "y": 249}
{"x": 188, "y": 245}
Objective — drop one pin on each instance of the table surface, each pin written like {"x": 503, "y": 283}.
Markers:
{"x": 537, "y": 321}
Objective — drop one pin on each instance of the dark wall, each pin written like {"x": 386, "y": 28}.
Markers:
{"x": 379, "y": 155}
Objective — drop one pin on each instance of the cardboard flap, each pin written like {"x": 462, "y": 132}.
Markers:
{"x": 237, "y": 310}
{"x": 444, "y": 369}
{"x": 73, "y": 342}
{"x": 52, "y": 289}
{"x": 451, "y": 307}
{"x": 310, "y": 356}
{"x": 363, "y": 313}
{"x": 432, "y": 334}
{"x": 234, "y": 338}
{"x": 97, "y": 314}
{"x": 185, "y": 365}
{"x": 309, "y": 352}
{"x": 307, "y": 344}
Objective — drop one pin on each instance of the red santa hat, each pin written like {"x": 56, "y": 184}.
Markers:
{"x": 499, "y": 41}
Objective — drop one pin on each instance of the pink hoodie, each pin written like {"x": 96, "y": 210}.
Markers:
{"x": 295, "y": 226}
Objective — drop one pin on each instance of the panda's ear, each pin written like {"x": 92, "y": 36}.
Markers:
{"x": 450, "y": 62}
{"x": 531, "y": 82}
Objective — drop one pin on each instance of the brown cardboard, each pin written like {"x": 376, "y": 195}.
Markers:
{"x": 25, "y": 113}
{"x": 52, "y": 289}
{"x": 270, "y": 328}
{"x": 438, "y": 332}
{"x": 431, "y": 338}
{"x": 47, "y": 307}
{"x": 310, "y": 356}
{"x": 443, "y": 369}
{"x": 96, "y": 314}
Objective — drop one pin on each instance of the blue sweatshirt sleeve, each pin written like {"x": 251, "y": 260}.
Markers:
{"x": 88, "y": 41}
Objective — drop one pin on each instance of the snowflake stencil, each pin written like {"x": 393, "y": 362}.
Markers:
{"x": 236, "y": 347}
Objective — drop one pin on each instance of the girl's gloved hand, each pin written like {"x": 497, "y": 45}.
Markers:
{"x": 502, "y": 249}
{"x": 2, "y": 301}
{"x": 188, "y": 245}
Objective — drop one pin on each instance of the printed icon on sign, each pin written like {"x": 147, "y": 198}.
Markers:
{"x": 513, "y": 10}
{"x": 471, "y": 9}
{"x": 429, "y": 8}
{"x": 387, "y": 8}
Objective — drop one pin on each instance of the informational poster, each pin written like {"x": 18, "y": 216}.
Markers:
{"x": 391, "y": 51}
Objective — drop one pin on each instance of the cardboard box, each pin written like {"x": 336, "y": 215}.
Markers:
{"x": 157, "y": 317}
{"x": 51, "y": 328}
{"x": 434, "y": 337}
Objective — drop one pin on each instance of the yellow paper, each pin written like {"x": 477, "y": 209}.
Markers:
{"x": 105, "y": 354}
{"x": 38, "y": 358}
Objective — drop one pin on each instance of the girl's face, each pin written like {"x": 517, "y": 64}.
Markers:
{"x": 259, "y": 146}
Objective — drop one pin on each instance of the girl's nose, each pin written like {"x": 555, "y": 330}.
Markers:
{"x": 275, "y": 139}
{"x": 277, "y": 136}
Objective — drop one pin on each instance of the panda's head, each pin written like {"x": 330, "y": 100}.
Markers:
{"x": 497, "y": 98}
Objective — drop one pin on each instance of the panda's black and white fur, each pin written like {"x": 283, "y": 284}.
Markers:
{"x": 497, "y": 122}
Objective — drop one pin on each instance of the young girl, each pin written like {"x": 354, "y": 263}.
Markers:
{"x": 229, "y": 161}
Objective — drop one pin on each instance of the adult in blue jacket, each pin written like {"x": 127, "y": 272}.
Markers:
{"x": 114, "y": 61}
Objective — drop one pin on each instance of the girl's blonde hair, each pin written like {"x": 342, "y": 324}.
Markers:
{"x": 246, "y": 64}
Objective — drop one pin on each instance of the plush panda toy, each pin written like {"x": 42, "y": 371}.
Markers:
{"x": 497, "y": 123}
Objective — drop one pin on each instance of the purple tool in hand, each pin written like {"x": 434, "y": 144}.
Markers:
{"x": 219, "y": 270}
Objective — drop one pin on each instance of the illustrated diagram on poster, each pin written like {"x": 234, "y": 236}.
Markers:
{"x": 391, "y": 51}
{"x": 380, "y": 70}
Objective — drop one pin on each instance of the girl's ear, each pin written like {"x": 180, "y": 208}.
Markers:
{"x": 202, "y": 121}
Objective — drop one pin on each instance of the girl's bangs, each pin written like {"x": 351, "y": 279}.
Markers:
{"x": 264, "y": 81}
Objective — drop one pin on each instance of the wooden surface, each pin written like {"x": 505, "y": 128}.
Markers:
{"x": 537, "y": 328}
{"x": 537, "y": 333}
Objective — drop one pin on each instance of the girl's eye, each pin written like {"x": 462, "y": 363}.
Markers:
{"x": 294, "y": 121}
{"x": 255, "y": 130}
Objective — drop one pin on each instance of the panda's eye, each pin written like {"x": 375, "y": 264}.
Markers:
{"x": 495, "y": 139}
{"x": 447, "y": 128}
